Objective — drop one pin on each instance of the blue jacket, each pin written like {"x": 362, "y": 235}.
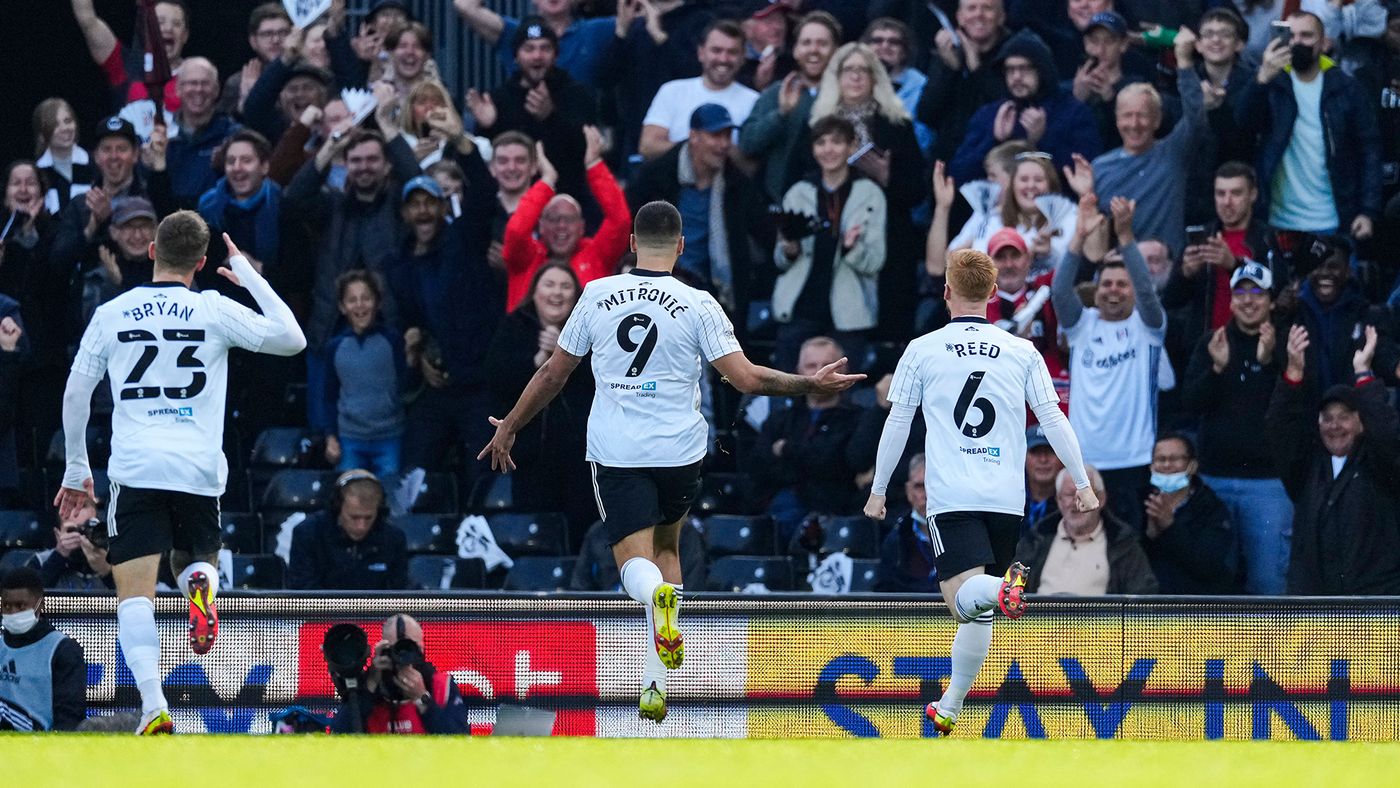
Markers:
{"x": 372, "y": 395}
{"x": 190, "y": 159}
{"x": 253, "y": 223}
{"x": 1350, "y": 130}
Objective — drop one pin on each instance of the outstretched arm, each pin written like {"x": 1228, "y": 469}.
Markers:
{"x": 99, "y": 37}
{"x": 283, "y": 337}
{"x": 546, "y": 384}
{"x": 751, "y": 378}
{"x": 482, "y": 20}
{"x": 77, "y": 477}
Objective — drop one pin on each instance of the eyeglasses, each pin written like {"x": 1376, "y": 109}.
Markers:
{"x": 1218, "y": 34}
{"x": 861, "y": 70}
{"x": 1034, "y": 155}
{"x": 895, "y": 40}
{"x": 270, "y": 35}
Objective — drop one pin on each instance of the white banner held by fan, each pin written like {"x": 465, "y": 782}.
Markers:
{"x": 304, "y": 12}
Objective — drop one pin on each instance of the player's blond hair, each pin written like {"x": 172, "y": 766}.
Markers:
{"x": 972, "y": 275}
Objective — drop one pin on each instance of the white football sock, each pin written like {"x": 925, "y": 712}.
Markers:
{"x": 209, "y": 572}
{"x": 640, "y": 577}
{"x": 970, "y": 647}
{"x": 136, "y": 632}
{"x": 977, "y": 595}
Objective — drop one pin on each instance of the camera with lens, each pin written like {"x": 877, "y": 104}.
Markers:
{"x": 95, "y": 531}
{"x": 401, "y": 654}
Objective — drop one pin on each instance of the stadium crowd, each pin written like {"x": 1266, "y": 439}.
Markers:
{"x": 1194, "y": 208}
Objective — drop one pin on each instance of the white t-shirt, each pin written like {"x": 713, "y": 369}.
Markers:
{"x": 973, "y": 381}
{"x": 678, "y": 99}
{"x": 1113, "y": 379}
{"x": 1302, "y": 188}
{"x": 650, "y": 335}
{"x": 165, "y": 350}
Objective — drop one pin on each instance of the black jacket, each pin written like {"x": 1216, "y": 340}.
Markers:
{"x": 561, "y": 131}
{"x": 952, "y": 96}
{"x": 69, "y": 668}
{"x": 1231, "y": 402}
{"x": 1346, "y": 530}
{"x": 324, "y": 558}
{"x": 1128, "y": 569}
{"x": 449, "y": 717}
{"x": 1336, "y": 331}
{"x": 1193, "y": 298}
{"x": 1199, "y": 553}
{"x": 596, "y": 569}
{"x": 1228, "y": 141}
{"x": 814, "y": 458}
{"x": 906, "y": 559}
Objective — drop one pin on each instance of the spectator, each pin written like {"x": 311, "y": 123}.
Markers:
{"x": 890, "y": 40}
{"x": 551, "y": 474}
{"x": 766, "y": 56}
{"x": 124, "y": 73}
{"x": 25, "y": 272}
{"x": 800, "y": 455}
{"x": 1341, "y": 476}
{"x": 1084, "y": 553}
{"x": 1043, "y": 467}
{"x": 450, "y": 302}
{"x": 76, "y": 562}
{"x": 453, "y": 182}
{"x": 1033, "y": 185}
{"x": 45, "y": 686}
{"x": 1105, "y": 71}
{"x": 351, "y": 57}
{"x": 829, "y": 278}
{"x": 1065, "y": 35}
{"x": 1188, "y": 536}
{"x": 14, "y": 351}
{"x": 66, "y": 166}
{"x": 365, "y": 376}
{"x": 1335, "y": 313}
{"x": 1146, "y": 169}
{"x": 559, "y": 218}
{"x": 719, "y": 206}
{"x": 1319, "y": 151}
{"x": 856, "y": 87}
{"x": 906, "y": 552}
{"x": 429, "y": 701}
{"x": 1338, "y": 19}
{"x": 1115, "y": 347}
{"x": 124, "y": 261}
{"x": 352, "y": 545}
{"x": 668, "y": 120}
{"x": 1014, "y": 308}
{"x": 583, "y": 43}
{"x": 776, "y": 129}
{"x": 427, "y": 99}
{"x": 287, "y": 86}
{"x": 410, "y": 62}
{"x": 1224, "y": 75}
{"x": 1037, "y": 110}
{"x": 544, "y": 102}
{"x": 269, "y": 26}
{"x": 1231, "y": 377}
{"x": 199, "y": 130}
{"x": 596, "y": 569}
{"x": 245, "y": 203}
{"x": 962, "y": 77}
{"x": 304, "y": 137}
{"x": 513, "y": 169}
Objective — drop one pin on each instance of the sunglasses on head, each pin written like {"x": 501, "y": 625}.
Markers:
{"x": 1241, "y": 291}
{"x": 1034, "y": 155}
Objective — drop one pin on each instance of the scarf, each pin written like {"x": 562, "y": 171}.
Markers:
{"x": 859, "y": 117}
{"x": 265, "y": 205}
{"x": 721, "y": 269}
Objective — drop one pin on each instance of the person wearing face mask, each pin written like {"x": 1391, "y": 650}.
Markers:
{"x": 1320, "y": 150}
{"x": 551, "y": 473}
{"x": 43, "y": 674}
{"x": 1188, "y": 537}
{"x": 1339, "y": 463}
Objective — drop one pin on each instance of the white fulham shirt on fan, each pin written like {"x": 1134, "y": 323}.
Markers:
{"x": 650, "y": 336}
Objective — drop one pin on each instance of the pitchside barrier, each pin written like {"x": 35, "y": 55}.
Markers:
{"x": 790, "y": 665}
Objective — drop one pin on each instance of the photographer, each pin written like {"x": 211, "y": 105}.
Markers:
{"x": 401, "y": 692}
{"x": 78, "y": 559}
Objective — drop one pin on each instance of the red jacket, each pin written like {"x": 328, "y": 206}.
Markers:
{"x": 595, "y": 257}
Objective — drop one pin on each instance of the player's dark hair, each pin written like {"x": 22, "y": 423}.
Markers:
{"x": 23, "y": 579}
{"x": 658, "y": 224}
{"x": 529, "y": 301}
{"x": 1174, "y": 435}
{"x": 837, "y": 127}
{"x": 263, "y": 13}
{"x": 368, "y": 278}
{"x": 181, "y": 241}
{"x": 728, "y": 27}
{"x": 1238, "y": 169}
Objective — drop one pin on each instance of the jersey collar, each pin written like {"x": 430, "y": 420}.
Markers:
{"x": 647, "y": 272}
{"x": 161, "y": 284}
{"x": 968, "y": 319}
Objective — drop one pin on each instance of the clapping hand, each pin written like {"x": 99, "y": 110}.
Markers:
{"x": 1297, "y": 353}
{"x": 10, "y": 334}
{"x": 482, "y": 107}
{"x": 1364, "y": 355}
{"x": 1080, "y": 177}
{"x": 944, "y": 189}
{"x": 1219, "y": 349}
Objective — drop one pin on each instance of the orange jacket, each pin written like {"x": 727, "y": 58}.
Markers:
{"x": 595, "y": 257}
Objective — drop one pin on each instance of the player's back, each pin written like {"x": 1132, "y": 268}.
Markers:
{"x": 650, "y": 336}
{"x": 165, "y": 351}
{"x": 972, "y": 380}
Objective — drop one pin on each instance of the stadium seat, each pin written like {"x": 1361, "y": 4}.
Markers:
{"x": 438, "y": 494}
{"x": 22, "y": 528}
{"x": 539, "y": 573}
{"x": 737, "y": 534}
{"x": 545, "y": 533}
{"x": 297, "y": 489}
{"x": 99, "y": 446}
{"x": 858, "y": 537}
{"x": 724, "y": 493}
{"x": 14, "y": 559}
{"x": 259, "y": 570}
{"x": 241, "y": 531}
{"x": 737, "y": 572}
{"x": 238, "y": 493}
{"x": 441, "y": 572}
{"x": 492, "y": 493}
{"x": 429, "y": 533}
{"x": 280, "y": 447}
{"x": 864, "y": 573}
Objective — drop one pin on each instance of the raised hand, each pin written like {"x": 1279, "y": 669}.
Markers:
{"x": 830, "y": 378}
{"x": 1276, "y": 56}
{"x": 1004, "y": 124}
{"x": 1123, "y": 210}
{"x": 944, "y": 189}
{"x": 593, "y": 146}
{"x": 1081, "y": 176}
{"x": 1085, "y": 500}
{"x": 226, "y": 270}
{"x": 1297, "y": 353}
{"x": 790, "y": 93}
{"x": 1362, "y": 358}
{"x": 482, "y": 107}
{"x": 153, "y": 152}
{"x": 1268, "y": 339}
{"x": 538, "y": 102}
{"x": 10, "y": 334}
{"x": 548, "y": 173}
{"x": 1219, "y": 349}
{"x": 69, "y": 501}
{"x": 1185, "y": 47}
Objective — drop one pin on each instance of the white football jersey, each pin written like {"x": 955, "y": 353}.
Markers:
{"x": 165, "y": 350}
{"x": 973, "y": 381}
{"x": 1114, "y": 374}
{"x": 651, "y": 336}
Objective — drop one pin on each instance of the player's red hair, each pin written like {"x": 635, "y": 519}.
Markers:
{"x": 972, "y": 275}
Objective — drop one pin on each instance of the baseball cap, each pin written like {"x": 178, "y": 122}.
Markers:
{"x": 116, "y": 126}
{"x": 422, "y": 183}
{"x": 1255, "y": 273}
{"x": 711, "y": 118}
{"x": 1344, "y": 393}
{"x": 380, "y": 5}
{"x": 305, "y": 69}
{"x": 124, "y": 209}
{"x": 1035, "y": 437}
{"x": 761, "y": 9}
{"x": 533, "y": 27}
{"x": 1006, "y": 236}
{"x": 1110, "y": 21}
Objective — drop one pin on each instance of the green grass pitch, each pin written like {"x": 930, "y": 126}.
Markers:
{"x": 217, "y": 761}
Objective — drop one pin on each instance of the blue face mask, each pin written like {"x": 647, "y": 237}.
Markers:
{"x": 1170, "y": 482}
